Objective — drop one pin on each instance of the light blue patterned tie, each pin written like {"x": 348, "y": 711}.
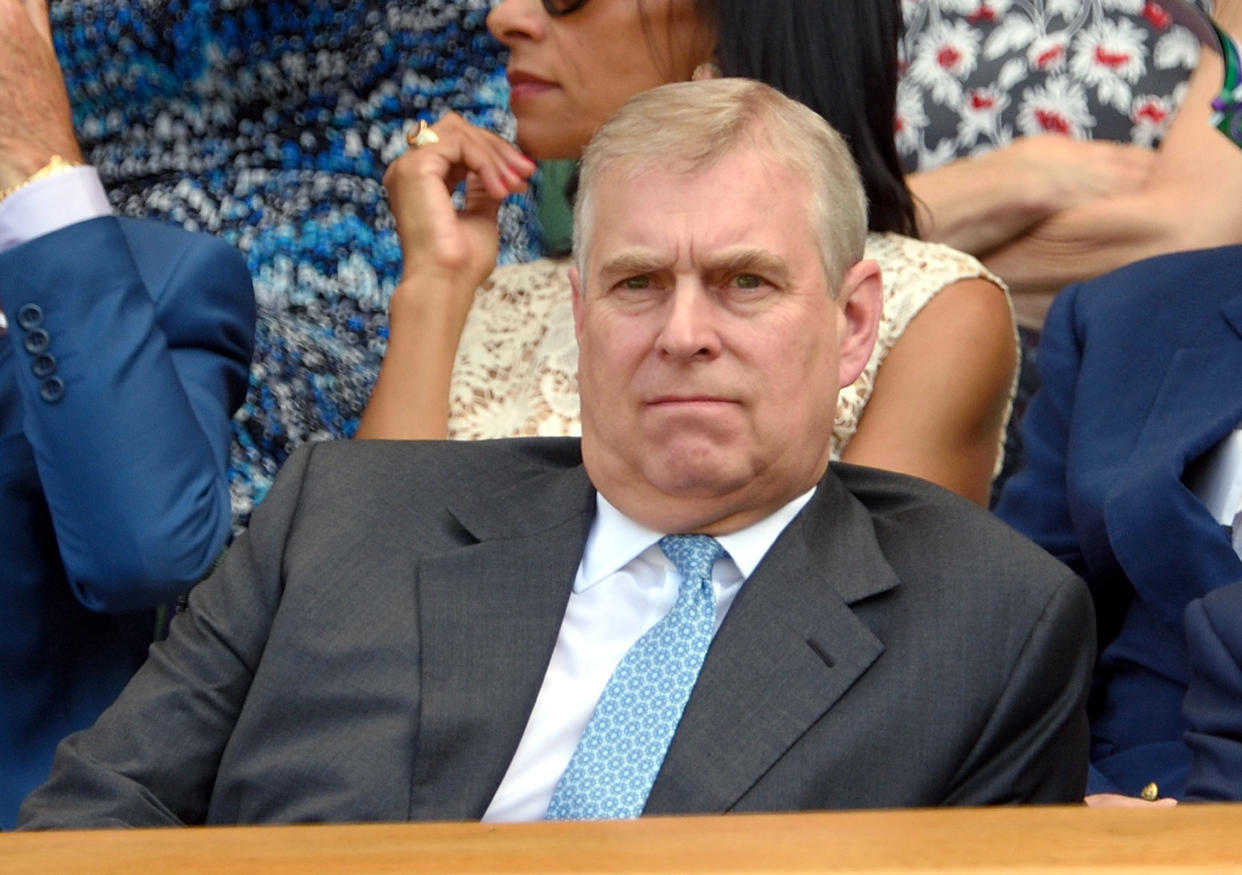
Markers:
{"x": 620, "y": 752}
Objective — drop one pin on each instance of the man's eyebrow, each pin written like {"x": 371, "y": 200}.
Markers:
{"x": 760, "y": 261}
{"x": 631, "y": 263}
{"x": 748, "y": 261}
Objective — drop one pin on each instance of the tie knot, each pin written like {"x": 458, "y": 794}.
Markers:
{"x": 692, "y": 555}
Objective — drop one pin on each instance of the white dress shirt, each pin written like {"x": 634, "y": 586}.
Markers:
{"x": 623, "y": 587}
{"x": 1216, "y": 479}
{"x": 47, "y": 205}
{"x": 50, "y": 204}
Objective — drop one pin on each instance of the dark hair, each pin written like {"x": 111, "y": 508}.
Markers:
{"x": 839, "y": 57}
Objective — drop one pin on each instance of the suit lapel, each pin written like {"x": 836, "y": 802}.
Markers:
{"x": 789, "y": 648}
{"x": 489, "y": 614}
{"x": 1197, "y": 405}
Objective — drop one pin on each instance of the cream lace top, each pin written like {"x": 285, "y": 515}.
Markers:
{"x": 517, "y": 364}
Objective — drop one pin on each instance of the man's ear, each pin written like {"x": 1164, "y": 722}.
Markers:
{"x": 860, "y": 299}
{"x": 576, "y": 284}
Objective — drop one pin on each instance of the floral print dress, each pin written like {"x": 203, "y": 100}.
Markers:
{"x": 977, "y": 74}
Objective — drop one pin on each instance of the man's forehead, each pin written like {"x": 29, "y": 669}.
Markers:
{"x": 627, "y": 171}
{"x": 728, "y": 212}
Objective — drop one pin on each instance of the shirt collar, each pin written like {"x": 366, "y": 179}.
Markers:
{"x": 616, "y": 540}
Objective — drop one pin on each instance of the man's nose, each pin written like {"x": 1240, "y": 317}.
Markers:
{"x": 690, "y": 323}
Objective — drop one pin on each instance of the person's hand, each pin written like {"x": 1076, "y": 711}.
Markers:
{"x": 1116, "y": 800}
{"x": 977, "y": 204}
{"x": 1061, "y": 172}
{"x": 446, "y": 255}
{"x": 439, "y": 242}
{"x": 34, "y": 108}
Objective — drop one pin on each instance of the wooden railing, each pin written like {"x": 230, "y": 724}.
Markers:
{"x": 1198, "y": 839}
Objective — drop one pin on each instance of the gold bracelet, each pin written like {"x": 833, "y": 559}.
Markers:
{"x": 55, "y": 165}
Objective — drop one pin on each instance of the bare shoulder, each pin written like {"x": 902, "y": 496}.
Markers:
{"x": 968, "y": 330}
{"x": 942, "y": 396}
{"x": 940, "y": 299}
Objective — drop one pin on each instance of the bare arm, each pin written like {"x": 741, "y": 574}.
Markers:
{"x": 1102, "y": 205}
{"x": 941, "y": 394}
{"x": 446, "y": 254}
{"x": 34, "y": 116}
{"x": 1192, "y": 199}
{"x": 978, "y": 203}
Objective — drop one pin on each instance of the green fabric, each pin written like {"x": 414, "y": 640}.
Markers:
{"x": 555, "y": 215}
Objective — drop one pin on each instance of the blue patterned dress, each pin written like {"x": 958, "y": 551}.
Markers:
{"x": 270, "y": 123}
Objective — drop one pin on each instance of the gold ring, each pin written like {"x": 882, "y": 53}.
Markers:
{"x": 1150, "y": 793}
{"x": 423, "y": 136}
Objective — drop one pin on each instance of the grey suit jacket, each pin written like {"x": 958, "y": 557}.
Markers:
{"x": 372, "y": 648}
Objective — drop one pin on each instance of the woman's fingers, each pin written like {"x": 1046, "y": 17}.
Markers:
{"x": 434, "y": 235}
{"x": 465, "y": 148}
{"x": 479, "y": 200}
{"x": 490, "y": 160}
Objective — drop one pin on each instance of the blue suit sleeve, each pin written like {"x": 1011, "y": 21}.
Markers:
{"x": 132, "y": 343}
{"x": 1213, "y": 703}
{"x": 1035, "y": 501}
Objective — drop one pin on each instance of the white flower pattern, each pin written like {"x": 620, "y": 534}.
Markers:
{"x": 975, "y": 73}
{"x": 1060, "y": 107}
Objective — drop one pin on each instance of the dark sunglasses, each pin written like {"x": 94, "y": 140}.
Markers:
{"x": 557, "y": 8}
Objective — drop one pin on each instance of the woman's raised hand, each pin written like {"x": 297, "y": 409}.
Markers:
{"x": 446, "y": 253}
{"x": 439, "y": 242}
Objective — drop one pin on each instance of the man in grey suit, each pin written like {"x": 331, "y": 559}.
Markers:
{"x": 451, "y": 631}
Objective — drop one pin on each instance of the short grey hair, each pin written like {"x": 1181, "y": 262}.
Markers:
{"x": 689, "y": 126}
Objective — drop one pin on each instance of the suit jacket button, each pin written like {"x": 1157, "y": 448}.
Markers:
{"x": 52, "y": 390}
{"x": 44, "y": 365}
{"x": 36, "y": 341}
{"x": 30, "y": 316}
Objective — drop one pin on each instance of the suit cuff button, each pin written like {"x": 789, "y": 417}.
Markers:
{"x": 30, "y": 316}
{"x": 44, "y": 365}
{"x": 36, "y": 341}
{"x": 52, "y": 390}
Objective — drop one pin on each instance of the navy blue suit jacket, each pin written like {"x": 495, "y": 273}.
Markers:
{"x": 1140, "y": 377}
{"x": 1213, "y": 705}
{"x": 127, "y": 352}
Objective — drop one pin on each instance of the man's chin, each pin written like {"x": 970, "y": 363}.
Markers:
{"x": 697, "y": 475}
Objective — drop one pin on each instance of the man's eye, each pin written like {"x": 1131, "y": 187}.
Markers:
{"x": 747, "y": 281}
{"x": 636, "y": 282}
